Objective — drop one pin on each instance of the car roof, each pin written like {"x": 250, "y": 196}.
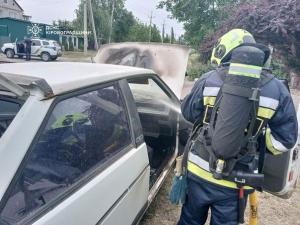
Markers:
{"x": 64, "y": 77}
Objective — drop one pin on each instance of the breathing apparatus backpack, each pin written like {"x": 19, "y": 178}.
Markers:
{"x": 231, "y": 132}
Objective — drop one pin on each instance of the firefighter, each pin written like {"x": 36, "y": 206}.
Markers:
{"x": 204, "y": 190}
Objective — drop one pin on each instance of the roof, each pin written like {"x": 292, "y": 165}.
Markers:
{"x": 18, "y": 5}
{"x": 63, "y": 77}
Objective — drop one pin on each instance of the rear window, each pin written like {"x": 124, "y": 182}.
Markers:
{"x": 56, "y": 44}
{"x": 8, "y": 110}
{"x": 45, "y": 43}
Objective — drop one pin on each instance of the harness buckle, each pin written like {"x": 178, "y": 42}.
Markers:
{"x": 220, "y": 165}
{"x": 255, "y": 95}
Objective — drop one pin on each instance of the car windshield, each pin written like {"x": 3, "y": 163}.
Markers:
{"x": 9, "y": 108}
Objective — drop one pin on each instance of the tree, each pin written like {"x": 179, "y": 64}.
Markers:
{"x": 172, "y": 36}
{"x": 271, "y": 22}
{"x": 64, "y": 25}
{"x": 199, "y": 17}
{"x": 155, "y": 34}
{"x": 122, "y": 21}
{"x": 167, "y": 39}
{"x": 140, "y": 33}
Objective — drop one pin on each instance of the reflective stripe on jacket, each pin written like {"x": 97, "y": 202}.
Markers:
{"x": 275, "y": 106}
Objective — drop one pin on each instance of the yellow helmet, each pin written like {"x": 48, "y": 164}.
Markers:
{"x": 228, "y": 42}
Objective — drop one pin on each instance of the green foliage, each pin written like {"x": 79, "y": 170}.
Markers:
{"x": 125, "y": 25}
{"x": 64, "y": 25}
{"x": 172, "y": 36}
{"x": 140, "y": 33}
{"x": 155, "y": 34}
{"x": 278, "y": 69}
{"x": 199, "y": 17}
{"x": 196, "y": 68}
{"x": 123, "y": 21}
{"x": 167, "y": 39}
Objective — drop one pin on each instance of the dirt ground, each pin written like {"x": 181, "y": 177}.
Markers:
{"x": 272, "y": 210}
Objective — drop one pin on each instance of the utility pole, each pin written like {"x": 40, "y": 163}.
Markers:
{"x": 111, "y": 20}
{"x": 163, "y": 32}
{"x": 96, "y": 46}
{"x": 85, "y": 27}
{"x": 150, "y": 28}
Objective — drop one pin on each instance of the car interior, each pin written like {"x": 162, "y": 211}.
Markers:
{"x": 21, "y": 47}
{"x": 159, "y": 123}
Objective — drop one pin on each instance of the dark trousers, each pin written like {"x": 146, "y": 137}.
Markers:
{"x": 201, "y": 196}
{"x": 28, "y": 53}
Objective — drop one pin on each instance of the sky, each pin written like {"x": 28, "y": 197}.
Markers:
{"x": 45, "y": 11}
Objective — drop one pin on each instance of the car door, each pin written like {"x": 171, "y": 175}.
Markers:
{"x": 159, "y": 113}
{"x": 83, "y": 167}
{"x": 36, "y": 47}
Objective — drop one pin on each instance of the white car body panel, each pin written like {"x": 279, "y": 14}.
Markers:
{"x": 101, "y": 193}
{"x": 131, "y": 204}
{"x": 64, "y": 77}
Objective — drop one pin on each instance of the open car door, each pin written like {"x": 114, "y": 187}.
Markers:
{"x": 168, "y": 61}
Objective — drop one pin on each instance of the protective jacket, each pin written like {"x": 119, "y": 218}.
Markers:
{"x": 275, "y": 106}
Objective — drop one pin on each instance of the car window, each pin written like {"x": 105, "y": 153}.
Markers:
{"x": 56, "y": 44}
{"x": 81, "y": 134}
{"x": 8, "y": 111}
{"x": 36, "y": 43}
{"x": 148, "y": 94}
{"x": 45, "y": 43}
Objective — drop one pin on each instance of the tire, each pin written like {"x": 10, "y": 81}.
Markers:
{"x": 45, "y": 56}
{"x": 10, "y": 53}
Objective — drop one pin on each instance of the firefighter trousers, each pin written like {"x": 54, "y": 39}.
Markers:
{"x": 202, "y": 196}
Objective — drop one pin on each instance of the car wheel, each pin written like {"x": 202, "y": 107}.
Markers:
{"x": 45, "y": 56}
{"x": 10, "y": 53}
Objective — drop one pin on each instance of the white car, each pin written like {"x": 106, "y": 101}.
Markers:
{"x": 87, "y": 144}
{"x": 83, "y": 144}
{"x": 45, "y": 49}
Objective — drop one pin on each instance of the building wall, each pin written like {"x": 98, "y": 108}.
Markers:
{"x": 12, "y": 30}
{"x": 16, "y": 29}
{"x": 9, "y": 8}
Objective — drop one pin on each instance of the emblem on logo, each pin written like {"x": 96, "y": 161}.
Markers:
{"x": 35, "y": 30}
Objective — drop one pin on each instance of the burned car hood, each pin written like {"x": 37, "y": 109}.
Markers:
{"x": 168, "y": 61}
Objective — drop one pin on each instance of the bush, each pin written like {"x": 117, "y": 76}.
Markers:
{"x": 278, "y": 69}
{"x": 195, "y": 68}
